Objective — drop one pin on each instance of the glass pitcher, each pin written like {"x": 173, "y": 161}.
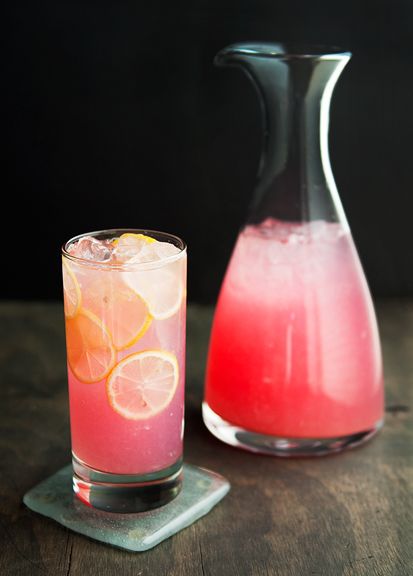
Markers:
{"x": 294, "y": 364}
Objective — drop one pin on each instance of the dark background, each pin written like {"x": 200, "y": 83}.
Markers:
{"x": 114, "y": 116}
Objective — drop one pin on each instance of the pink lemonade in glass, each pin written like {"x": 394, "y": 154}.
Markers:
{"x": 124, "y": 294}
{"x": 294, "y": 350}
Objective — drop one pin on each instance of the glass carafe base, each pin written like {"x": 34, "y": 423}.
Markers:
{"x": 277, "y": 446}
{"x": 126, "y": 493}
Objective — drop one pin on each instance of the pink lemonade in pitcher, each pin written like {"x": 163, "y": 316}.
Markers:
{"x": 294, "y": 365}
{"x": 294, "y": 350}
{"x": 125, "y": 334}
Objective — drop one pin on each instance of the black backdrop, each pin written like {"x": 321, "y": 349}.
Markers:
{"x": 114, "y": 116}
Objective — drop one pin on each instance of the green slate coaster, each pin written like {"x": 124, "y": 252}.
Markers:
{"x": 201, "y": 491}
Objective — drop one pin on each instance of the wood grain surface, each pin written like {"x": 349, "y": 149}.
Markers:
{"x": 349, "y": 514}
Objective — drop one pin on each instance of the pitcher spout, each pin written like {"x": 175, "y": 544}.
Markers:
{"x": 294, "y": 86}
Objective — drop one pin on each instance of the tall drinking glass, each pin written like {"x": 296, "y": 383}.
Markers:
{"x": 124, "y": 301}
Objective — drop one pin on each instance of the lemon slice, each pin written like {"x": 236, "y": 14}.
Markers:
{"x": 71, "y": 291}
{"x": 129, "y": 238}
{"x": 90, "y": 352}
{"x": 162, "y": 289}
{"x": 124, "y": 312}
{"x": 143, "y": 384}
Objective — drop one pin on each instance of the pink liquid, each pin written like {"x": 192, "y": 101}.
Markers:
{"x": 294, "y": 349}
{"x": 105, "y": 440}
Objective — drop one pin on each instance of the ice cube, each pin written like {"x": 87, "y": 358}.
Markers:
{"x": 136, "y": 250}
{"x": 144, "y": 253}
{"x": 91, "y": 248}
{"x": 317, "y": 229}
{"x": 164, "y": 249}
{"x": 131, "y": 248}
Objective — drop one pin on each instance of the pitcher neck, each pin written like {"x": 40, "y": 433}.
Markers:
{"x": 294, "y": 181}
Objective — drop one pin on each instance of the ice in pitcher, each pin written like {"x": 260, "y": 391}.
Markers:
{"x": 294, "y": 349}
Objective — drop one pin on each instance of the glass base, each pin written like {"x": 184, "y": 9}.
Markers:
{"x": 277, "y": 446}
{"x": 126, "y": 493}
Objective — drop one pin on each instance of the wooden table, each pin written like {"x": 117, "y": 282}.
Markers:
{"x": 346, "y": 514}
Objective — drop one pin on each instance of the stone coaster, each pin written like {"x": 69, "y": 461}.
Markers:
{"x": 201, "y": 490}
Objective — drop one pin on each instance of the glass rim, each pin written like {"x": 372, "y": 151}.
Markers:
{"x": 286, "y": 51}
{"x": 105, "y": 265}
